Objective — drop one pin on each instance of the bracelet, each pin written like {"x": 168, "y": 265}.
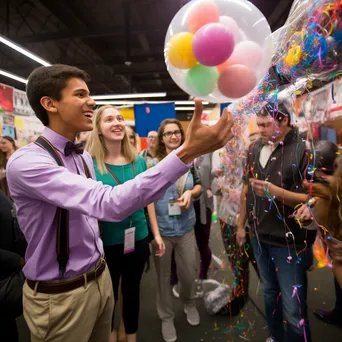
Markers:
{"x": 311, "y": 202}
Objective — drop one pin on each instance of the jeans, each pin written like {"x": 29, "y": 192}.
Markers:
{"x": 284, "y": 280}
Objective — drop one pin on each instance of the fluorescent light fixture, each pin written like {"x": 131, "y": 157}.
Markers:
{"x": 119, "y": 102}
{"x": 14, "y": 77}
{"x": 189, "y": 109}
{"x": 23, "y": 51}
{"x": 189, "y": 102}
{"x": 127, "y": 96}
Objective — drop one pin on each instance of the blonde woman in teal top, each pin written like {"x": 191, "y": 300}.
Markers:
{"x": 126, "y": 243}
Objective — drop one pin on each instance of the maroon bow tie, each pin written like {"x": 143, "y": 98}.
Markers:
{"x": 70, "y": 147}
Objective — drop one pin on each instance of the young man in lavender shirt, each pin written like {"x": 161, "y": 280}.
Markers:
{"x": 75, "y": 302}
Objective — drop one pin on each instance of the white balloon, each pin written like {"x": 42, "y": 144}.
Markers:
{"x": 252, "y": 26}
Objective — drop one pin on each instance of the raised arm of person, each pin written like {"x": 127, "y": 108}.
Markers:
{"x": 40, "y": 177}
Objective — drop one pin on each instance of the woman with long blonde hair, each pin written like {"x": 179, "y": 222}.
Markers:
{"x": 126, "y": 243}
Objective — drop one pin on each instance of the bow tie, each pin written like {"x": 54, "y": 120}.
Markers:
{"x": 70, "y": 147}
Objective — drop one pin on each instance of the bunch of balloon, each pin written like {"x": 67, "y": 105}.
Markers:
{"x": 218, "y": 50}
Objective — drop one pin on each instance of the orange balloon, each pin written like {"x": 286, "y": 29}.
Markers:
{"x": 179, "y": 51}
{"x": 202, "y": 13}
{"x": 223, "y": 66}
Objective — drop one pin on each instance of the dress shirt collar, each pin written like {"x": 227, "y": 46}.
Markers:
{"x": 57, "y": 140}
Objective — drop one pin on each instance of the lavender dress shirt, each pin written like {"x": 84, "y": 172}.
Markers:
{"x": 38, "y": 185}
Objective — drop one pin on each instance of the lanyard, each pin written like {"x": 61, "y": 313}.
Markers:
{"x": 116, "y": 178}
{"x": 118, "y": 181}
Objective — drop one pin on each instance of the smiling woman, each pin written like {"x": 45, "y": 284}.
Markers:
{"x": 109, "y": 134}
{"x": 115, "y": 162}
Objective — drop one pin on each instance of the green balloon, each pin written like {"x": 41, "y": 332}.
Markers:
{"x": 201, "y": 80}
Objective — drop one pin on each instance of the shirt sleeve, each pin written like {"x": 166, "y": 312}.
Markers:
{"x": 216, "y": 162}
{"x": 37, "y": 176}
{"x": 246, "y": 165}
{"x": 196, "y": 175}
{"x": 300, "y": 167}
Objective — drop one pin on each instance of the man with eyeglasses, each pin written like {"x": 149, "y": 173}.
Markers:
{"x": 276, "y": 166}
{"x": 149, "y": 154}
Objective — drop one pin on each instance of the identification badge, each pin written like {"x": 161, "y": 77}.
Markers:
{"x": 174, "y": 209}
{"x": 209, "y": 193}
{"x": 129, "y": 244}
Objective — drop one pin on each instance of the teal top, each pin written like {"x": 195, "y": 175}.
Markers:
{"x": 113, "y": 233}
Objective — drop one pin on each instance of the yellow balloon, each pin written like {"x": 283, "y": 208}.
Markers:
{"x": 179, "y": 51}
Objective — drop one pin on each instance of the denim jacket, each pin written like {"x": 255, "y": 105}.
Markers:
{"x": 175, "y": 225}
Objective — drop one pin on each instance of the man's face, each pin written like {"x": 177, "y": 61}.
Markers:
{"x": 152, "y": 139}
{"x": 75, "y": 108}
{"x": 271, "y": 129}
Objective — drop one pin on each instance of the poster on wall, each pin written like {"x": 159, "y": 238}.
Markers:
{"x": 336, "y": 99}
{"x": 6, "y": 98}
{"x": 9, "y": 131}
{"x": 8, "y": 118}
{"x": 28, "y": 128}
{"x": 316, "y": 106}
{"x": 21, "y": 104}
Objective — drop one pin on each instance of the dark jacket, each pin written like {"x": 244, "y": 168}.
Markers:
{"x": 272, "y": 222}
{"x": 9, "y": 260}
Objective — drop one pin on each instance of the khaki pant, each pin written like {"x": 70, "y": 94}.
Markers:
{"x": 187, "y": 269}
{"x": 83, "y": 314}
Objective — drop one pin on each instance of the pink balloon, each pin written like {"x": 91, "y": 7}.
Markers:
{"x": 230, "y": 24}
{"x": 246, "y": 53}
{"x": 213, "y": 44}
{"x": 236, "y": 81}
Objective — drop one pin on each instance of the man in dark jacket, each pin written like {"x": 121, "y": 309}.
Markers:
{"x": 11, "y": 277}
{"x": 275, "y": 169}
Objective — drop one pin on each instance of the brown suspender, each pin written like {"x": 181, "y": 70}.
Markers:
{"x": 62, "y": 238}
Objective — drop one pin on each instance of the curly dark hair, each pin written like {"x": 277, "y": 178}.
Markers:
{"x": 50, "y": 81}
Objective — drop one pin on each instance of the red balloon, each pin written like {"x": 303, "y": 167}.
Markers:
{"x": 237, "y": 81}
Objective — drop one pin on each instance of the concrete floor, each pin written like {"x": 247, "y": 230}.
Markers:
{"x": 249, "y": 326}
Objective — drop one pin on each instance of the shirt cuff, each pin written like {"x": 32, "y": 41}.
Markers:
{"x": 172, "y": 167}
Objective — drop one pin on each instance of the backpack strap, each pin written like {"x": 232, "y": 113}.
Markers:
{"x": 62, "y": 239}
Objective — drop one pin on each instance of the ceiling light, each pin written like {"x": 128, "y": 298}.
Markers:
{"x": 14, "y": 77}
{"x": 189, "y": 102}
{"x": 123, "y": 102}
{"x": 189, "y": 109}
{"x": 23, "y": 51}
{"x": 127, "y": 96}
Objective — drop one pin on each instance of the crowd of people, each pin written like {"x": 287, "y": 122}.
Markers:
{"x": 92, "y": 218}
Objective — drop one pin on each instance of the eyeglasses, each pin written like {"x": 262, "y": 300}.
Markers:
{"x": 170, "y": 134}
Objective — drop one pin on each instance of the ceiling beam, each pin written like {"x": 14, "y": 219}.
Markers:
{"x": 83, "y": 34}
